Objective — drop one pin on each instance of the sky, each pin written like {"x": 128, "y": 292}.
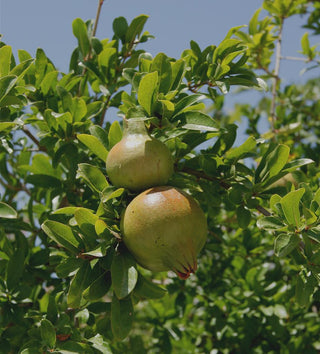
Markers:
{"x": 47, "y": 24}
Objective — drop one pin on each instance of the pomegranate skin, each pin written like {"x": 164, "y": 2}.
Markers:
{"x": 139, "y": 161}
{"x": 164, "y": 228}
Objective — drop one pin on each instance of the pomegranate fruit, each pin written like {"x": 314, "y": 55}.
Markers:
{"x": 164, "y": 228}
{"x": 139, "y": 161}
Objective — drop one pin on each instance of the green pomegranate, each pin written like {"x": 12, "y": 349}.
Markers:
{"x": 139, "y": 161}
{"x": 165, "y": 229}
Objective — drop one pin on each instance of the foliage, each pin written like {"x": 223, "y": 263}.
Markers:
{"x": 67, "y": 282}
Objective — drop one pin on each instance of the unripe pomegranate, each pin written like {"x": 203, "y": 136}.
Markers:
{"x": 139, "y": 161}
{"x": 164, "y": 228}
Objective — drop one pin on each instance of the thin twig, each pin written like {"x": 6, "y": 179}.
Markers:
{"x": 223, "y": 184}
{"x": 295, "y": 58}
{"x": 203, "y": 175}
{"x": 33, "y": 138}
{"x": 14, "y": 188}
{"x": 263, "y": 210}
{"x": 276, "y": 78}
{"x": 104, "y": 111}
{"x": 97, "y": 17}
{"x": 94, "y": 31}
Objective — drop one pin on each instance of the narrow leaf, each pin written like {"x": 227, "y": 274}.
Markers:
{"x": 80, "y": 282}
{"x": 7, "y": 212}
{"x": 115, "y": 134}
{"x": 5, "y": 55}
{"x": 63, "y": 235}
{"x": 146, "y": 289}
{"x": 124, "y": 274}
{"x": 93, "y": 176}
{"x": 285, "y": 244}
{"x": 94, "y": 145}
{"x": 162, "y": 65}
{"x": 135, "y": 28}
{"x": 80, "y": 32}
{"x": 15, "y": 269}
{"x": 48, "y": 333}
{"x": 121, "y": 317}
{"x": 290, "y": 205}
{"x": 147, "y": 91}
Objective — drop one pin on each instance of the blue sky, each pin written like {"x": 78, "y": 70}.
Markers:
{"x": 47, "y": 24}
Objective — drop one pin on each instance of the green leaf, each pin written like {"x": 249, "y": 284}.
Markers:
{"x": 147, "y": 91}
{"x": 305, "y": 287}
{"x": 78, "y": 109}
{"x": 15, "y": 268}
{"x": 290, "y": 206}
{"x": 253, "y": 23}
{"x": 6, "y": 126}
{"x": 68, "y": 266}
{"x": 305, "y": 44}
{"x": 285, "y": 244}
{"x": 135, "y": 28}
{"x": 100, "y": 134}
{"x": 187, "y": 102}
{"x": 48, "y": 333}
{"x": 270, "y": 223}
{"x": 110, "y": 193}
{"x": 80, "y": 32}
{"x": 278, "y": 160}
{"x": 92, "y": 176}
{"x": 86, "y": 221}
{"x": 63, "y": 235}
{"x": 121, "y": 317}
{"x": 124, "y": 274}
{"x": 5, "y": 55}
{"x": 162, "y": 65}
{"x": 178, "y": 71}
{"x": 243, "y": 217}
{"x": 115, "y": 134}
{"x": 272, "y": 162}
{"x": 98, "y": 288}
{"x": 21, "y": 69}
{"x": 99, "y": 343}
{"x": 295, "y": 164}
{"x": 78, "y": 284}
{"x": 6, "y": 84}
{"x": 94, "y": 145}
{"x": 49, "y": 82}
{"x": 242, "y": 150}
{"x": 7, "y": 212}
{"x": 120, "y": 27}
{"x": 44, "y": 181}
{"x": 145, "y": 289}
{"x": 167, "y": 108}
{"x": 195, "y": 120}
